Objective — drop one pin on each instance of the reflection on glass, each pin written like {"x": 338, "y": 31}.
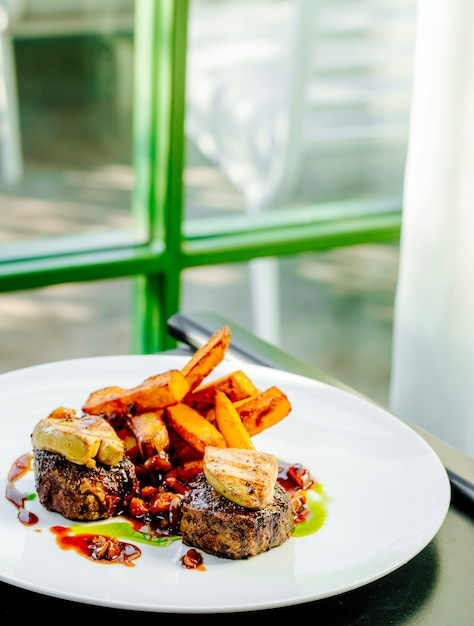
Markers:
{"x": 70, "y": 65}
{"x": 65, "y": 322}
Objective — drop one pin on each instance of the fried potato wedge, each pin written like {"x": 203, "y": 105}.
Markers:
{"x": 151, "y": 432}
{"x": 230, "y": 425}
{"x": 204, "y": 360}
{"x": 195, "y": 429}
{"x": 102, "y": 395}
{"x": 263, "y": 410}
{"x": 180, "y": 451}
{"x": 152, "y": 394}
{"x": 236, "y": 385}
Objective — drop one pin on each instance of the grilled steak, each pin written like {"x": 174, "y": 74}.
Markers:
{"x": 81, "y": 493}
{"x": 214, "y": 524}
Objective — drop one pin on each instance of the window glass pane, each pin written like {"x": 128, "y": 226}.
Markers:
{"x": 73, "y": 66}
{"x": 336, "y": 309}
{"x": 64, "y": 322}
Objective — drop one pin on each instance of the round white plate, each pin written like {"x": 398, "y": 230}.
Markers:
{"x": 388, "y": 496}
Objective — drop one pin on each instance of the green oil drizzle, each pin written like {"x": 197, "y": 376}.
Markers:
{"x": 317, "y": 501}
{"x": 122, "y": 529}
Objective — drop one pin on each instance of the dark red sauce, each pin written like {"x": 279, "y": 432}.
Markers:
{"x": 294, "y": 476}
{"x": 193, "y": 560}
{"x": 296, "y": 480}
{"x": 18, "y": 498}
{"x": 97, "y": 548}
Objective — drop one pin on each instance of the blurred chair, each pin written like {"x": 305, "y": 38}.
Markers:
{"x": 300, "y": 101}
{"x": 45, "y": 18}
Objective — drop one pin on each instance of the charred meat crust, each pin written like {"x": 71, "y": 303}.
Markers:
{"x": 81, "y": 493}
{"x": 214, "y": 524}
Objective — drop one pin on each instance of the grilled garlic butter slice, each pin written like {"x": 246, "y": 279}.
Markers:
{"x": 82, "y": 440}
{"x": 246, "y": 477}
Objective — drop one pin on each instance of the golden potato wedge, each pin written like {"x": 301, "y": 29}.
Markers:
{"x": 180, "y": 451}
{"x": 236, "y": 385}
{"x": 230, "y": 425}
{"x": 102, "y": 395}
{"x": 152, "y": 394}
{"x": 263, "y": 410}
{"x": 204, "y": 360}
{"x": 150, "y": 431}
{"x": 193, "y": 427}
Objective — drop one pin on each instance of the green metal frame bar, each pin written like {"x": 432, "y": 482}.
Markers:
{"x": 163, "y": 244}
{"x": 160, "y": 69}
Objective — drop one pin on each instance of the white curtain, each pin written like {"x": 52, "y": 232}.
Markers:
{"x": 432, "y": 381}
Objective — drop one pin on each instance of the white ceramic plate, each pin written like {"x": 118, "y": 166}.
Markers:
{"x": 388, "y": 496}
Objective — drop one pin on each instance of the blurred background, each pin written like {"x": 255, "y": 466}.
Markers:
{"x": 73, "y": 74}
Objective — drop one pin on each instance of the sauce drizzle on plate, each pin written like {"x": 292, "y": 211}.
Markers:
{"x": 18, "y": 469}
{"x": 110, "y": 548}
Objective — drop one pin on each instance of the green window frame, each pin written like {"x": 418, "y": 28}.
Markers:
{"x": 163, "y": 244}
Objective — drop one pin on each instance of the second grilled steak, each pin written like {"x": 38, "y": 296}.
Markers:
{"x": 217, "y": 526}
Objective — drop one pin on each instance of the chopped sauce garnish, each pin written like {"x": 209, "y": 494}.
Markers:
{"x": 192, "y": 560}
{"x": 97, "y": 547}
